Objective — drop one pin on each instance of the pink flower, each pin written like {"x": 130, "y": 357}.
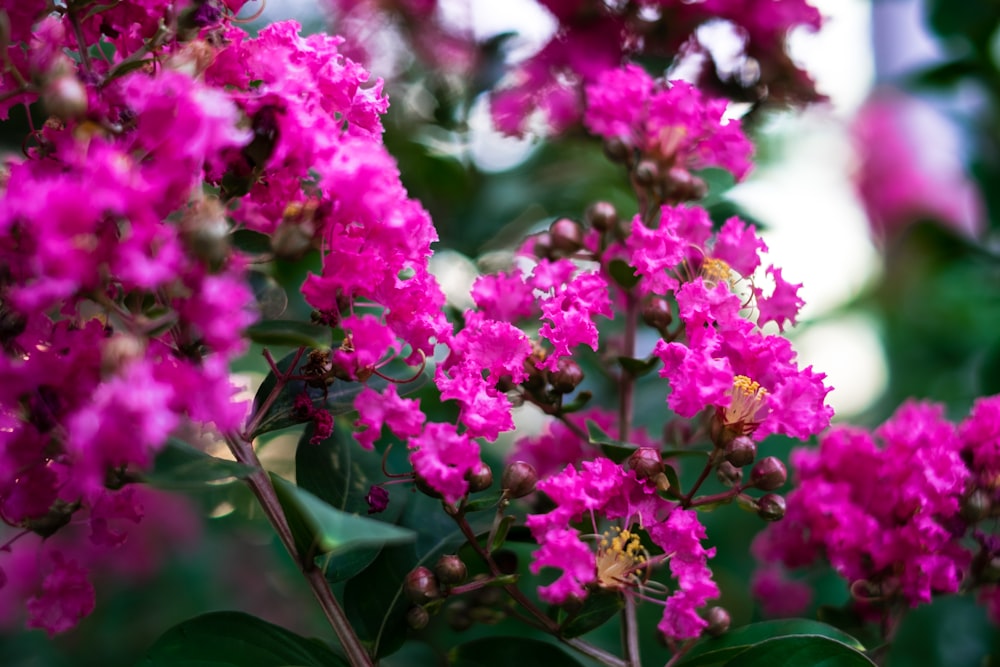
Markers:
{"x": 442, "y": 458}
{"x": 402, "y": 415}
{"x": 882, "y": 515}
{"x": 66, "y": 597}
{"x": 604, "y": 492}
{"x": 906, "y": 170}
{"x": 673, "y": 124}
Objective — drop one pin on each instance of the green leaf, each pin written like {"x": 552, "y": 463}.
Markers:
{"x": 719, "y": 650}
{"x": 638, "y": 367}
{"x": 337, "y": 398}
{"x": 486, "y": 502}
{"x": 501, "y": 535}
{"x": 623, "y": 274}
{"x": 338, "y": 471}
{"x": 597, "y": 609}
{"x": 616, "y": 450}
{"x": 578, "y": 403}
{"x": 289, "y": 333}
{"x": 675, "y": 484}
{"x": 319, "y": 528}
{"x": 235, "y": 639}
{"x": 599, "y": 437}
{"x": 814, "y": 651}
{"x": 250, "y": 241}
{"x": 180, "y": 465}
{"x": 505, "y": 651}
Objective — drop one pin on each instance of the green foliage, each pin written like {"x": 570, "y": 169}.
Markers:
{"x": 505, "y": 651}
{"x": 179, "y": 466}
{"x": 785, "y": 643}
{"x": 234, "y": 639}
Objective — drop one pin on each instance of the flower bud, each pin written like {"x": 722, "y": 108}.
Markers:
{"x": 646, "y": 173}
{"x": 729, "y": 474}
{"x": 458, "y": 617}
{"x": 616, "y": 150}
{"x": 205, "y": 232}
{"x": 656, "y": 313}
{"x": 741, "y": 451}
{"x": 976, "y": 506}
{"x": 542, "y": 246}
{"x": 417, "y": 618}
{"x": 681, "y": 185}
{"x": 119, "y": 351}
{"x": 421, "y": 586}
{"x": 602, "y": 216}
{"x": 377, "y": 499}
{"x": 771, "y": 507}
{"x": 65, "y": 97}
{"x": 768, "y": 474}
{"x": 646, "y": 462}
{"x": 450, "y": 570}
{"x": 519, "y": 479}
{"x": 566, "y": 236}
{"x": 718, "y": 621}
{"x": 567, "y": 377}
{"x": 480, "y": 478}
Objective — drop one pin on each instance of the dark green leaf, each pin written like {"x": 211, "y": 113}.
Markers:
{"x": 319, "y": 528}
{"x": 814, "y": 651}
{"x": 180, "y": 465}
{"x": 578, "y": 403}
{"x": 489, "y": 501}
{"x": 506, "y": 651}
{"x": 675, "y": 483}
{"x": 289, "y": 333}
{"x": 597, "y": 609}
{"x": 684, "y": 453}
{"x": 250, "y": 241}
{"x": 341, "y": 473}
{"x": 623, "y": 274}
{"x": 638, "y": 367}
{"x": 946, "y": 74}
{"x": 501, "y": 535}
{"x": 235, "y": 639}
{"x": 617, "y": 453}
{"x": 337, "y": 398}
{"x": 718, "y": 650}
{"x": 599, "y": 437}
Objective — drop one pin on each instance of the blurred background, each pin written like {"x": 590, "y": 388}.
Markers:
{"x": 881, "y": 201}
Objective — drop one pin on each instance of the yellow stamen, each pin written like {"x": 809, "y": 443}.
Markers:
{"x": 747, "y": 405}
{"x": 618, "y": 558}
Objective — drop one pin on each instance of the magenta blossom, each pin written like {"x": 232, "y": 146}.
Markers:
{"x": 603, "y": 493}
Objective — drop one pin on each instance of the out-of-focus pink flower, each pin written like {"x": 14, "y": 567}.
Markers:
{"x": 882, "y": 514}
{"x": 672, "y": 123}
{"x": 909, "y": 168}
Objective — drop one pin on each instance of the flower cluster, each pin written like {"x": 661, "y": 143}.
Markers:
{"x": 592, "y": 37}
{"x": 122, "y": 297}
{"x": 602, "y": 492}
{"x": 892, "y": 511}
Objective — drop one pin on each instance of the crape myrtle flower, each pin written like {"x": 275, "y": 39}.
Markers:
{"x": 881, "y": 508}
{"x": 602, "y": 493}
{"x": 725, "y": 360}
{"x": 592, "y": 37}
{"x": 672, "y": 122}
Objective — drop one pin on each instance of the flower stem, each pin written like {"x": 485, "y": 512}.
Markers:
{"x": 260, "y": 485}
{"x": 686, "y": 500}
